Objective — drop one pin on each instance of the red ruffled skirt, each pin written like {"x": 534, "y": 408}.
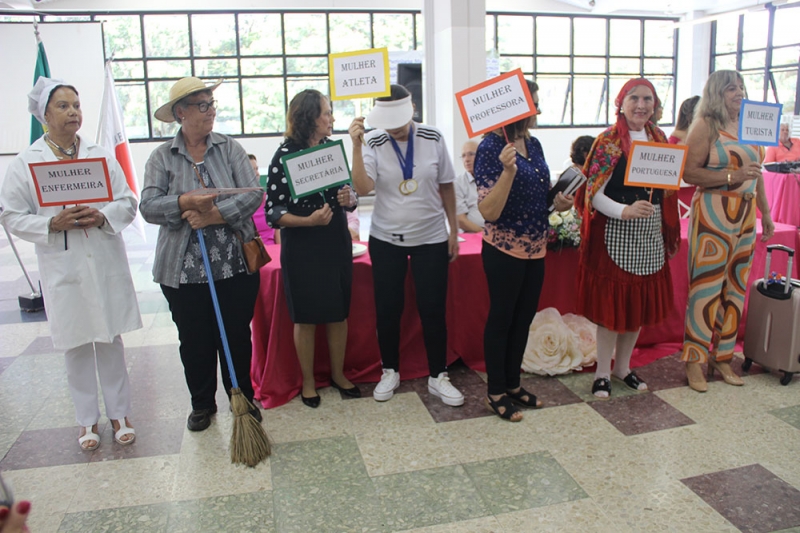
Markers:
{"x": 615, "y": 299}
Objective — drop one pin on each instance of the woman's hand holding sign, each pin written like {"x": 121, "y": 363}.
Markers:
{"x": 199, "y": 210}
{"x": 78, "y": 217}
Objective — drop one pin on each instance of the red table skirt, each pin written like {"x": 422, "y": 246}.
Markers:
{"x": 276, "y": 373}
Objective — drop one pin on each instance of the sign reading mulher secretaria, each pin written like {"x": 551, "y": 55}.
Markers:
{"x": 360, "y": 74}
{"x": 495, "y": 103}
{"x": 316, "y": 169}
{"x": 759, "y": 123}
{"x": 78, "y": 181}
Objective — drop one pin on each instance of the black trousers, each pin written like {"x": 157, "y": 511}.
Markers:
{"x": 514, "y": 289}
{"x": 201, "y": 345}
{"x": 429, "y": 268}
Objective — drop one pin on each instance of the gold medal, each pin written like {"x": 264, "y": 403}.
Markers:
{"x": 408, "y": 186}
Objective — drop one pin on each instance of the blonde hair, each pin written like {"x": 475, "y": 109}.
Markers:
{"x": 711, "y": 108}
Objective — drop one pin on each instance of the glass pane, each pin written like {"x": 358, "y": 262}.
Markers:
{"x": 490, "y": 32}
{"x": 122, "y": 36}
{"x": 727, "y": 34}
{"x": 305, "y": 34}
{"x": 552, "y": 36}
{"x": 166, "y": 35}
{"x": 590, "y": 65}
{"x": 658, "y": 38}
{"x": 590, "y": 37}
{"x": 786, "y": 56}
{"x": 420, "y": 21}
{"x": 169, "y": 69}
{"x": 754, "y": 32}
{"x": 214, "y": 35}
{"x": 127, "y": 69}
{"x": 511, "y": 63}
{"x": 787, "y": 21}
{"x": 589, "y": 100}
{"x": 228, "y": 110}
{"x": 209, "y": 68}
{"x": 260, "y": 34}
{"x": 133, "y": 101}
{"x": 624, "y": 66}
{"x": 262, "y": 66}
{"x": 57, "y": 18}
{"x": 657, "y": 66}
{"x": 264, "y": 105}
{"x": 344, "y": 111}
{"x": 159, "y": 95}
{"x": 726, "y": 62}
{"x": 554, "y": 95}
{"x": 307, "y": 65}
{"x": 625, "y": 37}
{"x": 349, "y": 32}
{"x": 20, "y": 18}
{"x": 515, "y": 34}
{"x": 754, "y": 85}
{"x": 751, "y": 60}
{"x": 785, "y": 82}
{"x": 295, "y": 85}
{"x": 393, "y": 31}
{"x": 665, "y": 88}
{"x": 552, "y": 64}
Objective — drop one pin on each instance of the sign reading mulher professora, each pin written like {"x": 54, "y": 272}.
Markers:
{"x": 495, "y": 103}
{"x": 79, "y": 181}
{"x": 316, "y": 169}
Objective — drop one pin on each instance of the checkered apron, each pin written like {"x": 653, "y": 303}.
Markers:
{"x": 636, "y": 245}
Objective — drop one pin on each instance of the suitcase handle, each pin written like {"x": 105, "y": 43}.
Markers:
{"x": 790, "y": 252}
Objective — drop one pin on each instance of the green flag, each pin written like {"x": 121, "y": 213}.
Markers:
{"x": 42, "y": 69}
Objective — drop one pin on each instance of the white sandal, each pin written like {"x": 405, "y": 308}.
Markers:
{"x": 123, "y": 430}
{"x": 87, "y": 436}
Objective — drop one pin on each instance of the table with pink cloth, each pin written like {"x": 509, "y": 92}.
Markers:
{"x": 783, "y": 196}
{"x": 276, "y": 374}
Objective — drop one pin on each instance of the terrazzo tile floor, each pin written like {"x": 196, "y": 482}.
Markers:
{"x": 668, "y": 459}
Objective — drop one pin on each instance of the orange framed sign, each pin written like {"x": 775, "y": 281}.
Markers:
{"x": 495, "y": 102}
{"x": 79, "y": 181}
{"x": 656, "y": 165}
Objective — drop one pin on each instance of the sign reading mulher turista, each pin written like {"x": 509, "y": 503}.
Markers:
{"x": 316, "y": 169}
{"x": 79, "y": 181}
{"x": 759, "y": 123}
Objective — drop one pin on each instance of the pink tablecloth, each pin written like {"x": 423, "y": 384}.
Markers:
{"x": 783, "y": 196}
{"x": 276, "y": 373}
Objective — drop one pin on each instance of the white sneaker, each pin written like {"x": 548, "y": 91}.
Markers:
{"x": 440, "y": 386}
{"x": 390, "y": 380}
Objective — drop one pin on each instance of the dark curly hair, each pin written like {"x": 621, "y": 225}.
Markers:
{"x": 57, "y": 87}
{"x": 301, "y": 120}
{"x": 580, "y": 149}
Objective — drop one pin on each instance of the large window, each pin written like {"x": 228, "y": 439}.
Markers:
{"x": 581, "y": 62}
{"x": 765, "y": 47}
{"x": 264, "y": 57}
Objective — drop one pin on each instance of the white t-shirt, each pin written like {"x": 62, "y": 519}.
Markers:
{"x": 417, "y": 218}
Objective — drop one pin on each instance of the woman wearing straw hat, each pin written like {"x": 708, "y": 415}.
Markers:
{"x": 409, "y": 168}
{"x": 199, "y": 158}
{"x": 82, "y": 261}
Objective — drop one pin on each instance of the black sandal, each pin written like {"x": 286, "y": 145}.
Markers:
{"x": 601, "y": 384}
{"x": 633, "y": 381}
{"x": 503, "y": 403}
{"x": 524, "y": 398}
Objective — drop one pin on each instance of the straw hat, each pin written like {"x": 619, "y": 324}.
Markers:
{"x": 182, "y": 88}
{"x": 390, "y": 115}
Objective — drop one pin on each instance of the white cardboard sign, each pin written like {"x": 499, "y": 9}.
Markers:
{"x": 759, "y": 123}
{"x": 495, "y": 103}
{"x": 656, "y": 165}
{"x": 316, "y": 169}
{"x": 78, "y": 181}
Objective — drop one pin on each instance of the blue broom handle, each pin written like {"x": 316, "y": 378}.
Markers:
{"x": 213, "y": 289}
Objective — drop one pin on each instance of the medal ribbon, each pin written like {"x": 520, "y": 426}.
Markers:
{"x": 407, "y": 163}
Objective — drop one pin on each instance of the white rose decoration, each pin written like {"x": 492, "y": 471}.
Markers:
{"x": 552, "y": 347}
{"x": 567, "y": 216}
{"x": 554, "y": 219}
{"x": 586, "y": 333}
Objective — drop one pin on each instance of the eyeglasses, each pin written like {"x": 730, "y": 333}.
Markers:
{"x": 467, "y": 154}
{"x": 203, "y": 106}
{"x": 538, "y": 107}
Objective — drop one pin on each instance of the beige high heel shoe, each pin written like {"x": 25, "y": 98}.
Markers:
{"x": 726, "y": 371}
{"x": 694, "y": 373}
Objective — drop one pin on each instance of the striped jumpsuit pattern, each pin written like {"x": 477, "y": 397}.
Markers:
{"x": 722, "y": 236}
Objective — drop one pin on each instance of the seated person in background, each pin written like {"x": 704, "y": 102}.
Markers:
{"x": 268, "y": 235}
{"x": 580, "y": 150}
{"x": 788, "y": 149}
{"x": 469, "y": 218}
{"x": 354, "y": 225}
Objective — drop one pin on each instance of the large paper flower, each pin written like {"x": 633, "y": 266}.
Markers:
{"x": 552, "y": 347}
{"x": 586, "y": 334}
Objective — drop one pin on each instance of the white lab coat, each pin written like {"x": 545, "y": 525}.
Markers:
{"x": 88, "y": 290}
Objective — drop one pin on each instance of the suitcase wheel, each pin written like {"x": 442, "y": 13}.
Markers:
{"x": 787, "y": 378}
{"x": 747, "y": 364}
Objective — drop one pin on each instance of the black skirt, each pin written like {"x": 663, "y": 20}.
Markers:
{"x": 317, "y": 265}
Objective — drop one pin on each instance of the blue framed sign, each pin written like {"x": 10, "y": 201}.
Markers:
{"x": 759, "y": 123}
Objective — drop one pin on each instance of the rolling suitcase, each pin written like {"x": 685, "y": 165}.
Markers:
{"x": 772, "y": 332}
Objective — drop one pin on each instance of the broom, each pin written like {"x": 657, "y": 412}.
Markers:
{"x": 249, "y": 442}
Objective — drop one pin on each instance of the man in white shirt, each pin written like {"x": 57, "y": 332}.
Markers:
{"x": 469, "y": 217}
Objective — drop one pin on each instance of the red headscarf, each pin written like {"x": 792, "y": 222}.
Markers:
{"x": 622, "y": 122}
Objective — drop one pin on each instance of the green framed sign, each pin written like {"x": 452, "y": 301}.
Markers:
{"x": 316, "y": 169}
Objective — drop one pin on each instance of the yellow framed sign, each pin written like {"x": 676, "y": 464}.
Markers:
{"x": 359, "y": 74}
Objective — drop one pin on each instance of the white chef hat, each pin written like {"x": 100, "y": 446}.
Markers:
{"x": 40, "y": 94}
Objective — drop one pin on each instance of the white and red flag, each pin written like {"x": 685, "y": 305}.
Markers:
{"x": 111, "y": 136}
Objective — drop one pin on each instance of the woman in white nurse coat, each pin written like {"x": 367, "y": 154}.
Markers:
{"x": 88, "y": 290}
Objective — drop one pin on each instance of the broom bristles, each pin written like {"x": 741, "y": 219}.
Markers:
{"x": 249, "y": 442}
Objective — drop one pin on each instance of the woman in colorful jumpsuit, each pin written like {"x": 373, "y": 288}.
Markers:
{"x": 722, "y": 233}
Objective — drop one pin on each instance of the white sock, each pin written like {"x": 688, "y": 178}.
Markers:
{"x": 606, "y": 339}
{"x": 626, "y": 342}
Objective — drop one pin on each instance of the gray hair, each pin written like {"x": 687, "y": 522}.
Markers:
{"x": 183, "y": 103}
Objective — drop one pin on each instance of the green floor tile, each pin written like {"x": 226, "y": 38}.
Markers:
{"x": 790, "y": 415}
{"x": 523, "y": 482}
{"x": 239, "y": 512}
{"x": 581, "y": 384}
{"x": 428, "y": 497}
{"x": 316, "y": 462}
{"x": 139, "y": 519}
